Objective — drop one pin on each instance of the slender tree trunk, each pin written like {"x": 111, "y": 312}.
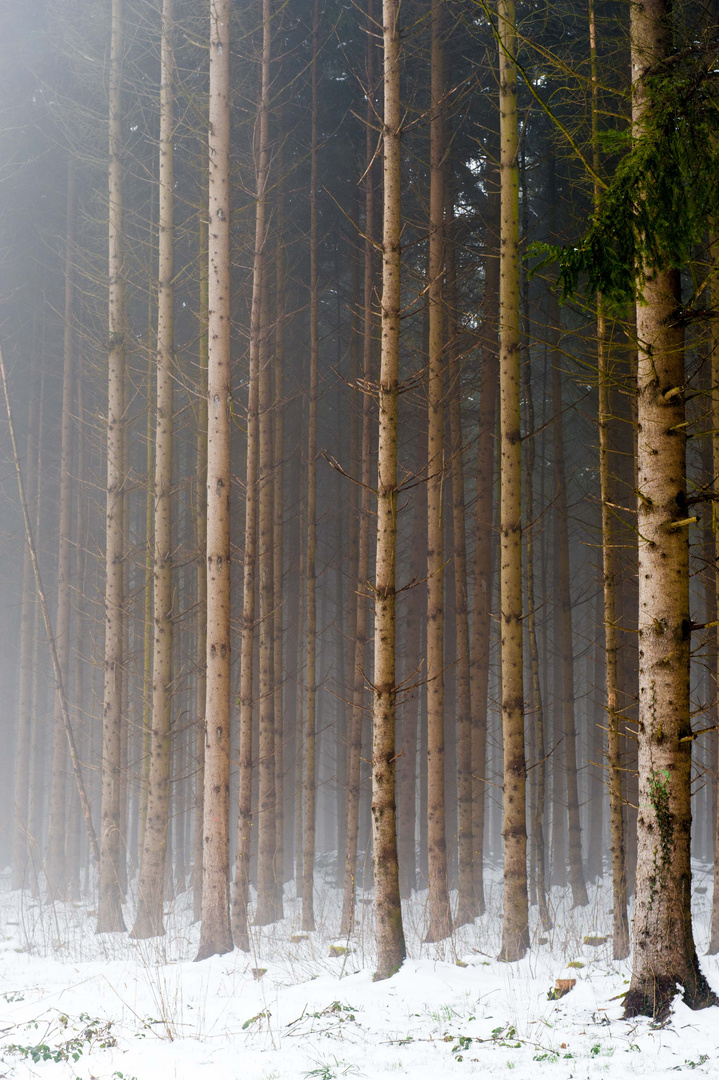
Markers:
{"x": 515, "y": 927}
{"x": 483, "y": 532}
{"x": 564, "y": 620}
{"x": 109, "y": 913}
{"x": 440, "y": 918}
{"x": 391, "y": 950}
{"x": 55, "y": 869}
{"x": 359, "y": 651}
{"x": 22, "y": 841}
{"x": 201, "y": 578}
{"x": 149, "y": 921}
{"x": 308, "y": 878}
{"x": 714, "y": 424}
{"x": 465, "y": 907}
{"x": 267, "y": 826}
{"x": 279, "y": 555}
{"x": 215, "y": 932}
{"x": 664, "y": 951}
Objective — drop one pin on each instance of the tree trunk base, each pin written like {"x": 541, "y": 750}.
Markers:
{"x": 653, "y": 996}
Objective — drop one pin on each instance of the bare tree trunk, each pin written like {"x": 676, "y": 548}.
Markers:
{"x": 22, "y": 841}
{"x": 564, "y": 620}
{"x": 267, "y": 827}
{"x": 714, "y": 424}
{"x": 201, "y": 579}
{"x": 391, "y": 950}
{"x": 55, "y": 869}
{"x": 440, "y": 918}
{"x": 149, "y": 921}
{"x": 664, "y": 951}
{"x": 360, "y": 640}
{"x": 215, "y": 931}
{"x": 515, "y": 927}
{"x": 465, "y": 907}
{"x": 109, "y": 912}
{"x": 279, "y": 556}
{"x": 308, "y": 877}
{"x": 483, "y": 531}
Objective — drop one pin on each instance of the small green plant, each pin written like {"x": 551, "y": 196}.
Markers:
{"x": 689, "y": 1064}
{"x": 330, "y": 1070}
{"x": 12, "y": 996}
{"x": 463, "y": 1043}
{"x": 264, "y": 1015}
{"x": 94, "y": 1034}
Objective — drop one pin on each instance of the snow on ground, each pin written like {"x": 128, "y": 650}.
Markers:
{"x": 77, "y": 1005}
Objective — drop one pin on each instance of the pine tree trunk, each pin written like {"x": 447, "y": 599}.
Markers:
{"x": 440, "y": 918}
{"x": 483, "y": 533}
{"x": 22, "y": 840}
{"x": 109, "y": 914}
{"x": 201, "y": 580}
{"x": 664, "y": 951}
{"x": 266, "y": 822}
{"x": 389, "y": 932}
{"x": 279, "y": 554}
{"x": 359, "y": 650}
{"x": 566, "y": 639}
{"x": 714, "y": 424}
{"x": 149, "y": 921}
{"x": 515, "y": 927}
{"x": 308, "y": 848}
{"x": 215, "y": 931}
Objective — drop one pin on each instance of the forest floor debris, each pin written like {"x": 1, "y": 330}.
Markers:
{"x": 74, "y": 1004}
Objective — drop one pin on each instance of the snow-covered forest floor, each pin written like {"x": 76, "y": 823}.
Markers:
{"x": 77, "y": 1005}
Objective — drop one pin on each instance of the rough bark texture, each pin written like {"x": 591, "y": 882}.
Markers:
{"x": 483, "y": 532}
{"x": 149, "y": 920}
{"x": 391, "y": 950}
{"x": 359, "y": 651}
{"x": 440, "y": 919}
{"x": 664, "y": 953}
{"x": 266, "y": 825}
{"x": 515, "y": 926}
{"x": 215, "y": 931}
{"x": 714, "y": 935}
{"x": 308, "y": 846}
{"x": 109, "y": 911}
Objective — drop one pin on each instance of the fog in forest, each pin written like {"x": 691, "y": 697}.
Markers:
{"x": 359, "y": 442}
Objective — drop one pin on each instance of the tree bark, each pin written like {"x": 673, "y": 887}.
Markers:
{"x": 664, "y": 951}
{"x": 149, "y": 921}
{"x": 440, "y": 918}
{"x": 215, "y": 931}
{"x": 515, "y": 926}
{"x": 391, "y": 950}
{"x": 109, "y": 912}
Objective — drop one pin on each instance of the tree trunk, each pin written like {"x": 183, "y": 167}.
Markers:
{"x": 215, "y": 931}
{"x": 483, "y": 532}
{"x": 391, "y": 950}
{"x": 266, "y": 823}
{"x": 359, "y": 651}
{"x": 109, "y": 913}
{"x": 440, "y": 918}
{"x": 149, "y": 921}
{"x": 308, "y": 858}
{"x": 515, "y": 927}
{"x": 664, "y": 950}
{"x": 714, "y": 425}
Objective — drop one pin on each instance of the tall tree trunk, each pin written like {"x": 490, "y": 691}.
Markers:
{"x": 664, "y": 951}
{"x": 391, "y": 950}
{"x": 215, "y": 931}
{"x": 55, "y": 869}
{"x": 565, "y": 643}
{"x": 714, "y": 424}
{"x": 440, "y": 918}
{"x": 149, "y": 921}
{"x": 201, "y": 578}
{"x": 22, "y": 840}
{"x": 465, "y": 906}
{"x": 279, "y": 552}
{"x": 267, "y": 827}
{"x": 308, "y": 878}
{"x": 359, "y": 651}
{"x": 483, "y": 532}
{"x": 515, "y": 926}
{"x": 109, "y": 912}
